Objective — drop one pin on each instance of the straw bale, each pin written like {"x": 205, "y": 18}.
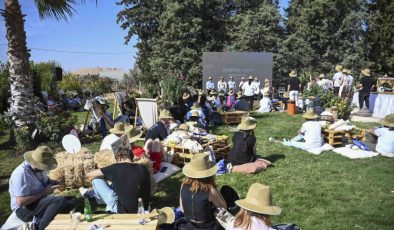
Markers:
{"x": 104, "y": 158}
{"x": 69, "y": 179}
{"x": 149, "y": 165}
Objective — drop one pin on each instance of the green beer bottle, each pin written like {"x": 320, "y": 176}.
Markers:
{"x": 88, "y": 211}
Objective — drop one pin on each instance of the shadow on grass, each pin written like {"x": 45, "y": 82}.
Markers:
{"x": 275, "y": 157}
{"x": 168, "y": 192}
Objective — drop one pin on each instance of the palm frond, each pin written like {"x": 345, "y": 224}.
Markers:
{"x": 58, "y": 9}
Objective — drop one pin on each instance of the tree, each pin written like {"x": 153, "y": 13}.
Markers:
{"x": 21, "y": 110}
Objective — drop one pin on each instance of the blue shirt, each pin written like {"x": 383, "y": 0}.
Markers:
{"x": 25, "y": 182}
{"x": 210, "y": 85}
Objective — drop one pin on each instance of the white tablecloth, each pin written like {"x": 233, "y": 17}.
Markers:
{"x": 384, "y": 105}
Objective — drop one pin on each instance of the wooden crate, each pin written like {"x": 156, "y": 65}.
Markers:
{"x": 336, "y": 137}
{"x": 233, "y": 117}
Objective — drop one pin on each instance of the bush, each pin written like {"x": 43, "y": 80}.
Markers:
{"x": 54, "y": 126}
{"x": 172, "y": 87}
{"x": 71, "y": 83}
{"x": 44, "y": 77}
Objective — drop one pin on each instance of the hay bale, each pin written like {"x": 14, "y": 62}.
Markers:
{"x": 104, "y": 158}
{"x": 149, "y": 165}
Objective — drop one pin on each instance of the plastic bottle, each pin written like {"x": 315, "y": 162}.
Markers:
{"x": 88, "y": 211}
{"x": 141, "y": 211}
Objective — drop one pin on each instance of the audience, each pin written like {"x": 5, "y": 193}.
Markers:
{"x": 381, "y": 140}
{"x": 242, "y": 104}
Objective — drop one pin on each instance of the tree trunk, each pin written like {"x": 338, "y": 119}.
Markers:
{"x": 21, "y": 108}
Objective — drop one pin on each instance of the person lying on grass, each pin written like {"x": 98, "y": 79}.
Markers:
{"x": 242, "y": 157}
{"x": 381, "y": 140}
{"x": 309, "y": 136}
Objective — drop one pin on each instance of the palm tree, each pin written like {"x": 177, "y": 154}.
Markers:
{"x": 21, "y": 109}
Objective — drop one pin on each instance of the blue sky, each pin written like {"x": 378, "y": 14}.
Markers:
{"x": 92, "y": 29}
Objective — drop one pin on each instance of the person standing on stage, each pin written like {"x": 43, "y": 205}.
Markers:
{"x": 210, "y": 85}
{"x": 222, "y": 85}
{"x": 248, "y": 89}
{"x": 241, "y": 83}
{"x": 231, "y": 84}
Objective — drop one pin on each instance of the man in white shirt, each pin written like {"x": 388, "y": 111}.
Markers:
{"x": 222, "y": 85}
{"x": 381, "y": 140}
{"x": 338, "y": 76}
{"x": 310, "y": 134}
{"x": 256, "y": 83}
{"x": 248, "y": 89}
{"x": 241, "y": 83}
{"x": 210, "y": 85}
{"x": 231, "y": 84}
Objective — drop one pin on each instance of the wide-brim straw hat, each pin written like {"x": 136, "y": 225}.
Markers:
{"x": 185, "y": 96}
{"x": 247, "y": 123}
{"x": 388, "y": 120}
{"x": 195, "y": 114}
{"x": 338, "y": 67}
{"x": 242, "y": 78}
{"x": 239, "y": 94}
{"x": 133, "y": 134}
{"x": 209, "y": 78}
{"x": 310, "y": 114}
{"x": 213, "y": 92}
{"x": 41, "y": 158}
{"x": 200, "y": 167}
{"x": 183, "y": 127}
{"x": 118, "y": 129}
{"x": 293, "y": 74}
{"x": 165, "y": 114}
{"x": 231, "y": 92}
{"x": 258, "y": 200}
{"x": 344, "y": 71}
{"x": 196, "y": 106}
{"x": 166, "y": 215}
{"x": 250, "y": 78}
{"x": 349, "y": 71}
{"x": 366, "y": 72}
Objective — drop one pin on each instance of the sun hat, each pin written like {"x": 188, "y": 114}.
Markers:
{"x": 209, "y": 78}
{"x": 165, "y": 114}
{"x": 231, "y": 77}
{"x": 41, "y": 158}
{"x": 195, "y": 114}
{"x": 221, "y": 95}
{"x": 247, "y": 123}
{"x": 132, "y": 133}
{"x": 310, "y": 114}
{"x": 255, "y": 78}
{"x": 119, "y": 128}
{"x": 338, "y": 67}
{"x": 242, "y": 78}
{"x": 185, "y": 96}
{"x": 321, "y": 75}
{"x": 213, "y": 92}
{"x": 286, "y": 95}
{"x": 366, "y": 72}
{"x": 388, "y": 120}
{"x": 239, "y": 94}
{"x": 349, "y": 71}
{"x": 200, "y": 167}
{"x": 344, "y": 70}
{"x": 293, "y": 73}
{"x": 166, "y": 215}
{"x": 183, "y": 127}
{"x": 221, "y": 77}
{"x": 231, "y": 92}
{"x": 196, "y": 105}
{"x": 258, "y": 200}
{"x": 250, "y": 78}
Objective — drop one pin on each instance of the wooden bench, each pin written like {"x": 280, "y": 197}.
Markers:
{"x": 109, "y": 221}
{"x": 233, "y": 117}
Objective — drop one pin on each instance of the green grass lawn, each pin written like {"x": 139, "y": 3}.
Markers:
{"x": 327, "y": 191}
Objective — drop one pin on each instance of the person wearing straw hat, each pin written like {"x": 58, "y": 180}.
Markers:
{"x": 365, "y": 87}
{"x": 310, "y": 134}
{"x": 248, "y": 89}
{"x": 30, "y": 189}
{"x": 256, "y": 210}
{"x": 194, "y": 120}
{"x": 257, "y": 84}
{"x": 230, "y": 101}
{"x": 118, "y": 129}
{"x": 222, "y": 85}
{"x": 197, "y": 108}
{"x": 293, "y": 86}
{"x": 265, "y": 103}
{"x": 241, "y": 103}
{"x": 198, "y": 194}
{"x": 210, "y": 85}
{"x": 242, "y": 157}
{"x": 159, "y": 130}
{"x": 337, "y": 78}
{"x": 133, "y": 135}
{"x": 241, "y": 83}
{"x": 130, "y": 181}
{"x": 344, "y": 88}
{"x": 231, "y": 84}
{"x": 381, "y": 139}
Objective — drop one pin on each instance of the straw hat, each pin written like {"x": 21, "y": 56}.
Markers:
{"x": 310, "y": 114}
{"x": 165, "y": 114}
{"x": 239, "y": 94}
{"x": 231, "y": 77}
{"x": 195, "y": 114}
{"x": 200, "y": 167}
{"x": 213, "y": 92}
{"x": 388, "y": 120}
{"x": 250, "y": 78}
{"x": 338, "y": 68}
{"x": 231, "y": 92}
{"x": 119, "y": 128}
{"x": 166, "y": 215}
{"x": 186, "y": 96}
{"x": 247, "y": 123}
{"x": 183, "y": 127}
{"x": 41, "y": 158}
{"x": 242, "y": 78}
{"x": 209, "y": 78}
{"x": 133, "y": 134}
{"x": 266, "y": 93}
{"x": 366, "y": 72}
{"x": 258, "y": 200}
{"x": 293, "y": 73}
{"x": 349, "y": 71}
{"x": 344, "y": 71}
{"x": 321, "y": 75}
{"x": 196, "y": 106}
{"x": 221, "y": 95}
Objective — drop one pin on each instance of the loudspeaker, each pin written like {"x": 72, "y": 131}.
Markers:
{"x": 57, "y": 74}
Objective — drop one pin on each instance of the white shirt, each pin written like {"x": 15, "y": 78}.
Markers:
{"x": 255, "y": 224}
{"x": 241, "y": 84}
{"x": 231, "y": 84}
{"x": 222, "y": 86}
{"x": 385, "y": 143}
{"x": 312, "y": 134}
{"x": 210, "y": 85}
{"x": 265, "y": 105}
{"x": 350, "y": 80}
{"x": 248, "y": 89}
{"x": 337, "y": 79}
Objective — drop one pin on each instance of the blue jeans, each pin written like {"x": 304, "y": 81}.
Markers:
{"x": 105, "y": 194}
{"x": 297, "y": 142}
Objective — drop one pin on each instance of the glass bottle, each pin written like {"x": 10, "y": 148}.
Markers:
{"x": 87, "y": 211}
{"x": 141, "y": 211}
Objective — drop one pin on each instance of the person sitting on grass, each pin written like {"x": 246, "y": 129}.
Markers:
{"x": 130, "y": 181}
{"x": 194, "y": 121}
{"x": 197, "y": 108}
{"x": 30, "y": 189}
{"x": 309, "y": 136}
{"x": 256, "y": 210}
{"x": 265, "y": 103}
{"x": 381, "y": 140}
{"x": 198, "y": 194}
{"x": 242, "y": 157}
{"x": 133, "y": 135}
{"x": 242, "y": 104}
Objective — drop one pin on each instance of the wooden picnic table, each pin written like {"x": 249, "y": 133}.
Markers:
{"x": 109, "y": 221}
{"x": 233, "y": 117}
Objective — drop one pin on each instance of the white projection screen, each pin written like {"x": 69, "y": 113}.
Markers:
{"x": 236, "y": 64}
